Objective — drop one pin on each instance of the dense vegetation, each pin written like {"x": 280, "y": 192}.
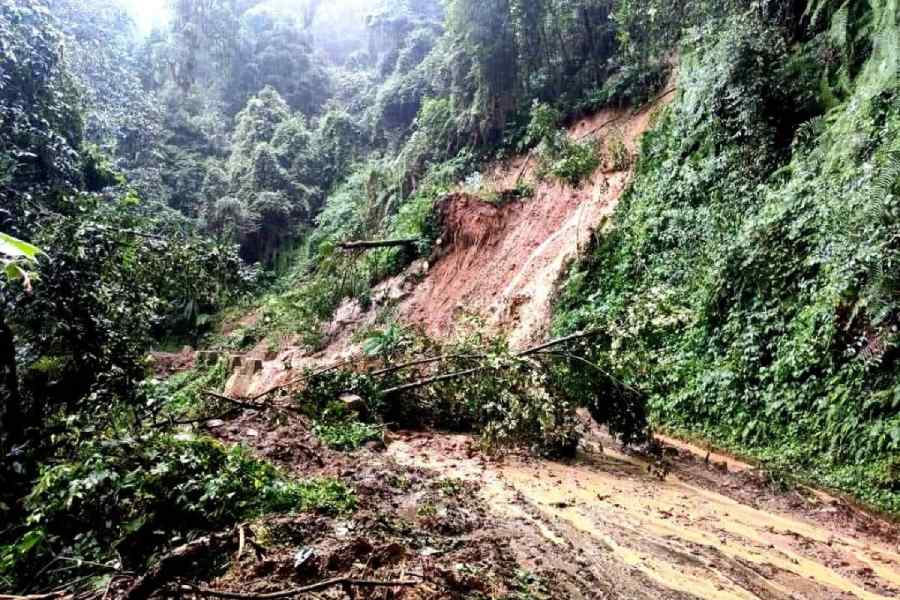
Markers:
{"x": 746, "y": 288}
{"x": 749, "y": 280}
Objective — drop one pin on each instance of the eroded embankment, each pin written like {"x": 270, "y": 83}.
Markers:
{"x": 600, "y": 526}
{"x": 502, "y": 262}
{"x": 604, "y": 526}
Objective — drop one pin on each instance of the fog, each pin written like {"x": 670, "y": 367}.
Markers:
{"x": 150, "y": 14}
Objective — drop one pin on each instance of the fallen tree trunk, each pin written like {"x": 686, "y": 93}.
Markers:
{"x": 424, "y": 361}
{"x": 370, "y": 244}
{"x": 176, "y": 563}
{"x": 50, "y": 596}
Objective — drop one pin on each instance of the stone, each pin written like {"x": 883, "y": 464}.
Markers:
{"x": 354, "y": 403}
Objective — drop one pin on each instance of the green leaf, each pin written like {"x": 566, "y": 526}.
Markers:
{"x": 895, "y": 434}
{"x": 14, "y": 271}
{"x": 16, "y": 248}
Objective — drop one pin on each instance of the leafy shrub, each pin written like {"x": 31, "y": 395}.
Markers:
{"x": 746, "y": 283}
{"x": 572, "y": 163}
{"x": 346, "y": 434}
{"x": 511, "y": 400}
{"x": 183, "y": 392}
{"x": 131, "y": 496}
{"x": 559, "y": 156}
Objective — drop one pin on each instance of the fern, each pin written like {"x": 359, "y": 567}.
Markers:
{"x": 840, "y": 22}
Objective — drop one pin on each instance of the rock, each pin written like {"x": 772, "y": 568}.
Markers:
{"x": 213, "y": 423}
{"x": 375, "y": 446}
{"x": 354, "y": 403}
{"x": 253, "y": 365}
{"x": 302, "y": 555}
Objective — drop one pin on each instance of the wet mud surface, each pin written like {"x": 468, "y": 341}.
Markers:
{"x": 606, "y": 527}
{"x": 462, "y": 524}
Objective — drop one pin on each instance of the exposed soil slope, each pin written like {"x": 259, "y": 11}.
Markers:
{"x": 502, "y": 262}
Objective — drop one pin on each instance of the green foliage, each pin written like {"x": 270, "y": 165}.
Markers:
{"x": 182, "y": 394}
{"x": 346, "y": 434}
{"x": 559, "y": 156}
{"x": 509, "y": 399}
{"x": 17, "y": 258}
{"x": 130, "y": 496}
{"x": 746, "y": 281}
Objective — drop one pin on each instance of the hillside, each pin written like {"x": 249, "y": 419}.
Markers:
{"x": 433, "y": 299}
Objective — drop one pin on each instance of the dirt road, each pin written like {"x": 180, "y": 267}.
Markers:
{"x": 602, "y": 526}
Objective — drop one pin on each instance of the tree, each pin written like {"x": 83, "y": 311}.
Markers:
{"x": 274, "y": 51}
{"x": 17, "y": 259}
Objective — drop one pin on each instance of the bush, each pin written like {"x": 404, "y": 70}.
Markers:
{"x": 133, "y": 496}
{"x": 346, "y": 434}
{"x": 558, "y": 155}
{"x": 509, "y": 399}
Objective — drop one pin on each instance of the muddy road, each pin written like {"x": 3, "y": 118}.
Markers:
{"x": 603, "y": 526}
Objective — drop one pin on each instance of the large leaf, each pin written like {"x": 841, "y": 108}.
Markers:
{"x": 16, "y": 248}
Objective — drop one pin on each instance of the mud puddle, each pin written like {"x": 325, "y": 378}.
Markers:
{"x": 604, "y": 527}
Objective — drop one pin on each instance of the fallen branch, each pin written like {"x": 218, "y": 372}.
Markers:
{"x": 301, "y": 590}
{"x": 239, "y": 403}
{"x": 369, "y": 244}
{"x": 176, "y": 562}
{"x": 50, "y": 596}
{"x": 430, "y": 380}
{"x": 626, "y": 115}
{"x": 177, "y": 422}
{"x": 560, "y": 341}
{"x": 465, "y": 373}
{"x": 424, "y": 361}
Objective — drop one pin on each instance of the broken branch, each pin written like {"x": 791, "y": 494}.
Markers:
{"x": 369, "y": 244}
{"x": 424, "y": 361}
{"x": 240, "y": 403}
{"x": 620, "y": 117}
{"x": 301, "y": 590}
{"x": 51, "y": 596}
{"x": 436, "y": 379}
{"x": 174, "y": 563}
{"x": 465, "y": 373}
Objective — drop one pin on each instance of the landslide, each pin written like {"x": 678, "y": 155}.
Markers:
{"x": 502, "y": 261}
{"x": 607, "y": 523}
{"x": 499, "y": 258}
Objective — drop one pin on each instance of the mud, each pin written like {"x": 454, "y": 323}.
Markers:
{"x": 411, "y": 524}
{"x": 607, "y": 527}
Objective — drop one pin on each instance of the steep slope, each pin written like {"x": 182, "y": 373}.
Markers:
{"x": 501, "y": 261}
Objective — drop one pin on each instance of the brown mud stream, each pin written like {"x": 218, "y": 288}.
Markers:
{"x": 602, "y": 526}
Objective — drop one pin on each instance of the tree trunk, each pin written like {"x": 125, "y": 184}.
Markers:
{"x": 12, "y": 426}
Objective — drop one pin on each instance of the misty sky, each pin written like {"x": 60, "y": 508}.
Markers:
{"x": 148, "y": 14}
